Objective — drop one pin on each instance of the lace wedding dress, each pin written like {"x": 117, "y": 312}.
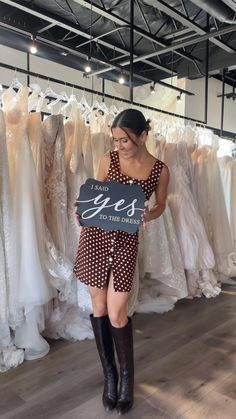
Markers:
{"x": 59, "y": 268}
{"x": 70, "y": 320}
{"x": 10, "y": 316}
{"x": 33, "y": 290}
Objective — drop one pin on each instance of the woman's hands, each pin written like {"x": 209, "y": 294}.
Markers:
{"x": 146, "y": 216}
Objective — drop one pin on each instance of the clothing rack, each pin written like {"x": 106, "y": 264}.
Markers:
{"x": 199, "y": 123}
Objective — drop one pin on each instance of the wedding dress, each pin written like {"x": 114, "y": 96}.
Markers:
{"x": 6, "y": 282}
{"x": 10, "y": 316}
{"x": 32, "y": 288}
{"x": 161, "y": 279}
{"x": 55, "y": 193}
{"x": 197, "y": 255}
{"x": 97, "y": 129}
{"x": 70, "y": 320}
{"x": 228, "y": 175}
{"x": 213, "y": 208}
{"x": 59, "y": 268}
{"x": 76, "y": 175}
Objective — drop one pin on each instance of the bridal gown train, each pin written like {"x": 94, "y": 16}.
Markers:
{"x": 32, "y": 288}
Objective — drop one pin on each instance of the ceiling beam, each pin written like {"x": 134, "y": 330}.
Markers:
{"x": 182, "y": 33}
{"x": 69, "y": 27}
{"x": 175, "y": 46}
{"x": 114, "y": 18}
{"x": 193, "y": 40}
{"x": 48, "y": 42}
{"x": 170, "y": 11}
{"x": 46, "y": 28}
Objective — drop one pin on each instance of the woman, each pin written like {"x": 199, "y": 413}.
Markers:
{"x": 106, "y": 260}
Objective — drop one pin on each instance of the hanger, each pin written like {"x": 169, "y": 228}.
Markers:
{"x": 113, "y": 109}
{"x": 35, "y": 96}
{"x": 83, "y": 102}
{"x": 72, "y": 101}
{"x": 15, "y": 84}
{"x": 58, "y": 98}
{"x": 104, "y": 106}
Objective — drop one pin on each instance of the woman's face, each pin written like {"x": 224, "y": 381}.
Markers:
{"x": 124, "y": 144}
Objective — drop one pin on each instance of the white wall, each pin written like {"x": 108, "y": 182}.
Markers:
{"x": 163, "y": 98}
{"x": 195, "y": 104}
{"x": 51, "y": 69}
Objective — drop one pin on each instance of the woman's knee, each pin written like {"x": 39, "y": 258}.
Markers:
{"x": 118, "y": 319}
{"x": 99, "y": 307}
{"x": 99, "y": 310}
{"x": 99, "y": 302}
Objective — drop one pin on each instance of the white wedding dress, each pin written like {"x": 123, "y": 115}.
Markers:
{"x": 70, "y": 320}
{"x": 59, "y": 268}
{"x": 10, "y": 316}
{"x": 213, "y": 210}
{"x": 197, "y": 255}
{"x": 161, "y": 280}
{"x": 33, "y": 288}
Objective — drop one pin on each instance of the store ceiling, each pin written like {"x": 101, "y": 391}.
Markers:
{"x": 169, "y": 38}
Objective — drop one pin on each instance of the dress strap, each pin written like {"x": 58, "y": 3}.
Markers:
{"x": 114, "y": 168}
{"x": 115, "y": 160}
{"x": 158, "y": 168}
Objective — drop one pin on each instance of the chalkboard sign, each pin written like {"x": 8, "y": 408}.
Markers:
{"x": 110, "y": 205}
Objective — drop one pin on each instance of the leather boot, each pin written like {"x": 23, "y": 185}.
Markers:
{"x": 102, "y": 332}
{"x": 123, "y": 338}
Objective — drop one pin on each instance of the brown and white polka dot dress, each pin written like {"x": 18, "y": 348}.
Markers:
{"x": 101, "y": 251}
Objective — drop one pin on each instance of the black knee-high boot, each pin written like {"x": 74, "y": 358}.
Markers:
{"x": 123, "y": 338}
{"x": 103, "y": 337}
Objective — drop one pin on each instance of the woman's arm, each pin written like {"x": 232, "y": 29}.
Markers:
{"x": 161, "y": 194}
{"x": 103, "y": 167}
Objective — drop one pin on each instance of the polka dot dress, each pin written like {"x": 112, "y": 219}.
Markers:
{"x": 101, "y": 251}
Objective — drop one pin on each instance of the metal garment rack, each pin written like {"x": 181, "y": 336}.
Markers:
{"x": 222, "y": 133}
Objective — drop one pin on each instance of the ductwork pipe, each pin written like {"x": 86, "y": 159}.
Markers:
{"x": 217, "y": 9}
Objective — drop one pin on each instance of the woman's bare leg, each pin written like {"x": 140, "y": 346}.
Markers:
{"x": 99, "y": 301}
{"x": 117, "y": 305}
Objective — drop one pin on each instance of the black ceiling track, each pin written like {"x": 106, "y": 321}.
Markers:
{"x": 164, "y": 38}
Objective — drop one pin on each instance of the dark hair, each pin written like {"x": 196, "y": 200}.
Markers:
{"x": 132, "y": 120}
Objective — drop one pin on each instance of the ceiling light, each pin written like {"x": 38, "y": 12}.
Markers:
{"x": 121, "y": 79}
{"x": 87, "y": 68}
{"x": 179, "y": 98}
{"x": 152, "y": 88}
{"x": 33, "y": 49}
{"x": 64, "y": 53}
